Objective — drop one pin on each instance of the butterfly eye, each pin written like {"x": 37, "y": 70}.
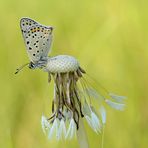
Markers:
{"x": 31, "y": 65}
{"x": 50, "y": 30}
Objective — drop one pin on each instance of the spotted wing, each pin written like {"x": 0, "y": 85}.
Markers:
{"x": 37, "y": 39}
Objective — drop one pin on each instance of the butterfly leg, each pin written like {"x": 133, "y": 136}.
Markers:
{"x": 49, "y": 77}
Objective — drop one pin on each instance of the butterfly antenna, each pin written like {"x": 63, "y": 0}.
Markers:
{"x": 20, "y": 68}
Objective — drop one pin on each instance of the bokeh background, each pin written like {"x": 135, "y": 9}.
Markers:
{"x": 110, "y": 40}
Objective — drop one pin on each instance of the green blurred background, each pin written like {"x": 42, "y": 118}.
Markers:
{"x": 110, "y": 40}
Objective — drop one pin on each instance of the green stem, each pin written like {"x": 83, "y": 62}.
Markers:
{"x": 102, "y": 142}
{"x": 81, "y": 135}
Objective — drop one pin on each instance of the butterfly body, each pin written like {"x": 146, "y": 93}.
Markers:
{"x": 38, "y": 40}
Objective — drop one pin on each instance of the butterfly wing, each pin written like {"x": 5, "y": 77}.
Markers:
{"x": 37, "y": 39}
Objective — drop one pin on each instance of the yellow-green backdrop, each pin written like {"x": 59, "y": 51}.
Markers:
{"x": 110, "y": 40}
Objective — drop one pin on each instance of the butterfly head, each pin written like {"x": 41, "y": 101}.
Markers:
{"x": 32, "y": 65}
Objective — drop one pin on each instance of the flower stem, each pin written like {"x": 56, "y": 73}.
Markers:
{"x": 102, "y": 142}
{"x": 81, "y": 135}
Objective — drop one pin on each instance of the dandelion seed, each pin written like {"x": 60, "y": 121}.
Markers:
{"x": 62, "y": 130}
{"x": 92, "y": 93}
{"x": 117, "y": 106}
{"x": 53, "y": 130}
{"x": 95, "y": 122}
{"x": 88, "y": 119}
{"x": 103, "y": 114}
{"x": 119, "y": 99}
{"x": 71, "y": 130}
{"x": 45, "y": 124}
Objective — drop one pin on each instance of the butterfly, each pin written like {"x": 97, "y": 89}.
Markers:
{"x": 37, "y": 38}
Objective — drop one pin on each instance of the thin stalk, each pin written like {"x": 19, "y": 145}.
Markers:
{"x": 81, "y": 135}
{"x": 102, "y": 141}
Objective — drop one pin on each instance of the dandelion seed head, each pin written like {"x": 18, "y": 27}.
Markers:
{"x": 73, "y": 100}
{"x": 62, "y": 64}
